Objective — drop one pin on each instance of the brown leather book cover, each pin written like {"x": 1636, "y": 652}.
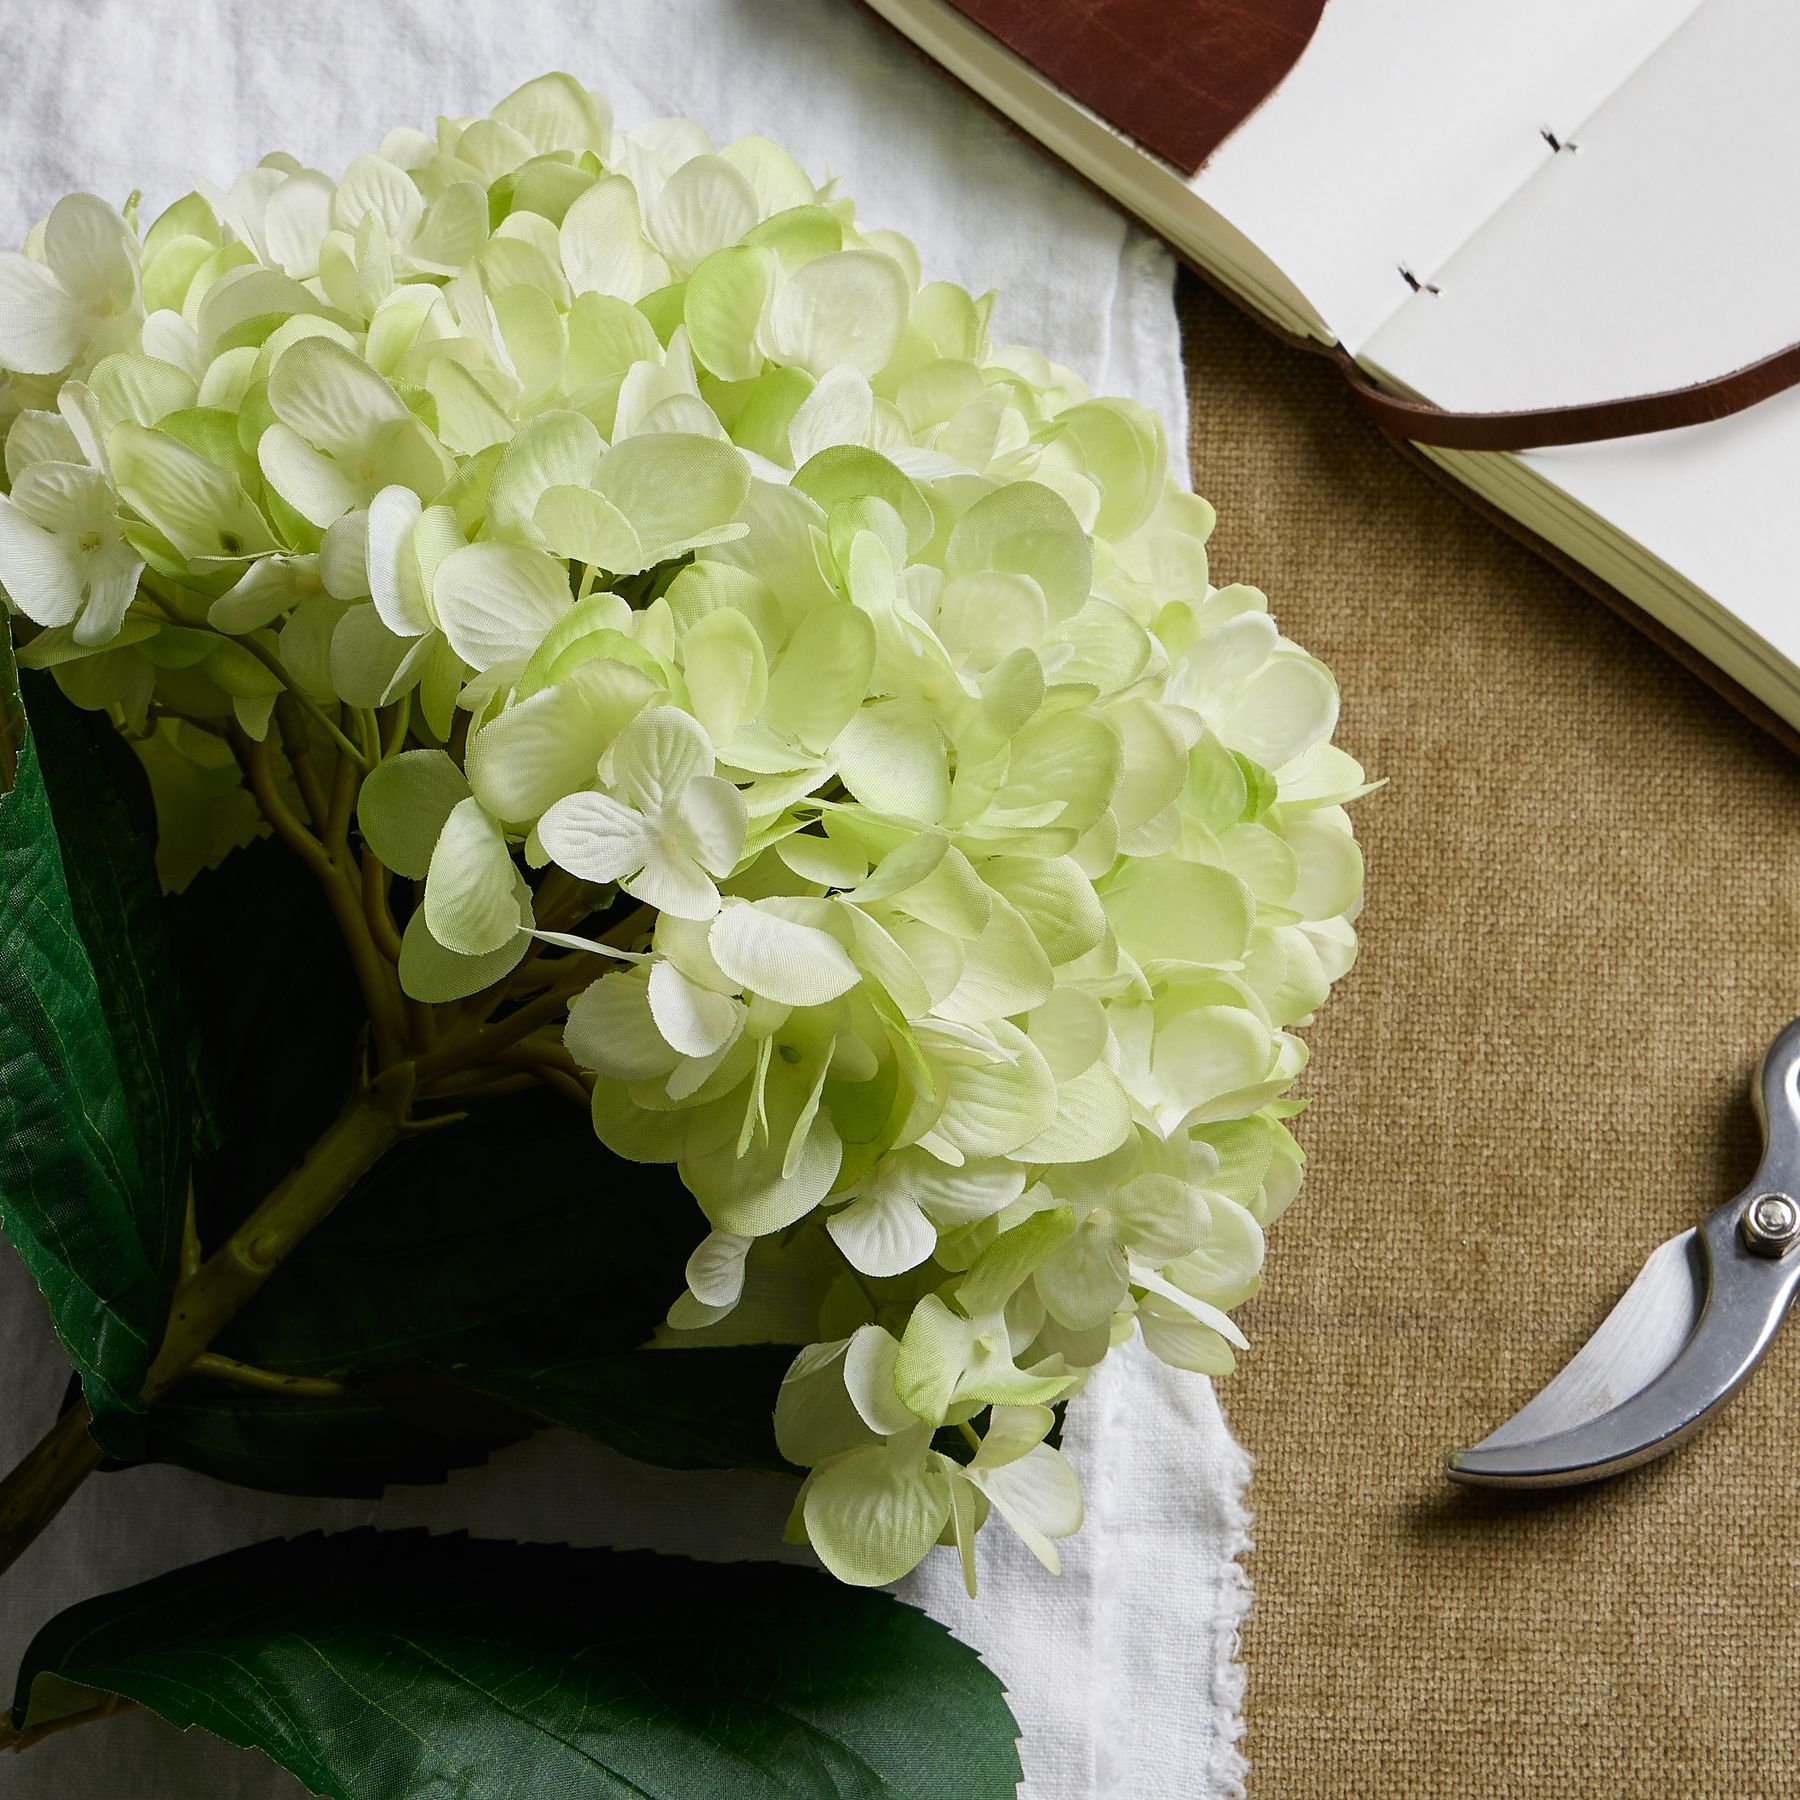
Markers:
{"x": 1179, "y": 76}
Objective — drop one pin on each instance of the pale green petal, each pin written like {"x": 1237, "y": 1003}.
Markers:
{"x": 674, "y": 487}
{"x": 535, "y": 752}
{"x": 307, "y": 479}
{"x": 402, "y": 806}
{"x": 435, "y": 975}
{"x": 1180, "y": 912}
{"x": 330, "y": 396}
{"x": 469, "y": 902}
{"x": 396, "y": 584}
{"x": 872, "y": 1515}
{"x": 595, "y": 836}
{"x": 815, "y": 1418}
{"x": 611, "y": 1030}
{"x": 819, "y": 681}
{"x": 882, "y": 1236}
{"x": 366, "y": 658}
{"x": 727, "y": 297}
{"x": 1025, "y": 529}
{"x": 587, "y": 527}
{"x": 1039, "y": 1497}
{"x": 869, "y": 1364}
{"x": 893, "y": 758}
{"x": 727, "y": 673}
{"x": 373, "y": 185}
{"x": 691, "y": 1018}
{"x": 704, "y": 206}
{"x": 844, "y": 309}
{"x": 200, "y": 509}
{"x": 604, "y": 249}
{"x": 556, "y": 449}
{"x": 496, "y": 601}
{"x": 779, "y": 958}
{"x": 1082, "y": 1280}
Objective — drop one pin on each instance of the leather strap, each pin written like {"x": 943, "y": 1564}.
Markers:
{"x": 1419, "y": 422}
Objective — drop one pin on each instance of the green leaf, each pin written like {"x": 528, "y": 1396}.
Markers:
{"x": 377, "y": 1666}
{"x": 699, "y": 1408}
{"x": 406, "y": 1427}
{"x": 514, "y": 1256}
{"x": 278, "y": 1054}
{"x": 94, "y": 1091}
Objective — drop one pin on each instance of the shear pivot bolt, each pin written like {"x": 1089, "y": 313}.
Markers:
{"x": 1771, "y": 1225}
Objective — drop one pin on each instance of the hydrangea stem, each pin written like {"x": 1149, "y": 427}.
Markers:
{"x": 36, "y": 1491}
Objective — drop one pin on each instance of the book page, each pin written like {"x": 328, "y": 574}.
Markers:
{"x": 1663, "y": 250}
{"x": 1406, "y": 124}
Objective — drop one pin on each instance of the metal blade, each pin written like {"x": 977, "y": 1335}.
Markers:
{"x": 1636, "y": 1341}
{"x": 1680, "y": 1342}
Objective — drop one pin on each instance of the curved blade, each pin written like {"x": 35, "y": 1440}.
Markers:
{"x": 1687, "y": 1332}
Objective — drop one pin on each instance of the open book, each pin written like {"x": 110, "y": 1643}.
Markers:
{"x": 1490, "y": 208}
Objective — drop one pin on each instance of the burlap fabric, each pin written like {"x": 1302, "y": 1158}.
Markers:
{"x": 1583, "y": 926}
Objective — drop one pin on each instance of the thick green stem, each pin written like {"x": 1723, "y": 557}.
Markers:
{"x": 355, "y": 1140}
{"x": 37, "y": 1490}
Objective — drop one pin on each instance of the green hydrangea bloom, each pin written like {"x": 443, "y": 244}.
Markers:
{"x": 722, "y": 615}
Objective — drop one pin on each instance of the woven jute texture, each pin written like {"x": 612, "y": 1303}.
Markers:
{"x": 1582, "y": 928}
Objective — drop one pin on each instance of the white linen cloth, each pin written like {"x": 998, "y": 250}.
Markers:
{"x": 1122, "y": 1673}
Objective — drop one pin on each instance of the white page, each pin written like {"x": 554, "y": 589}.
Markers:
{"x": 1665, "y": 250}
{"x": 1407, "y": 123}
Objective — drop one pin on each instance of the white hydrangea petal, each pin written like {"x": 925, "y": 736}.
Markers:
{"x": 402, "y": 807}
{"x": 1039, "y": 1497}
{"x": 42, "y": 325}
{"x": 469, "y": 902}
{"x": 882, "y": 1235}
{"x": 715, "y": 1272}
{"x": 394, "y": 580}
{"x": 714, "y": 823}
{"x": 869, "y": 1362}
{"x": 844, "y": 309}
{"x": 330, "y": 396}
{"x": 658, "y": 754}
{"x": 611, "y": 1030}
{"x": 674, "y": 883}
{"x": 692, "y": 1019}
{"x": 496, "y": 601}
{"x": 307, "y": 479}
{"x": 373, "y": 185}
{"x": 778, "y": 958}
{"x": 595, "y": 836}
{"x": 872, "y": 1515}
{"x": 604, "y": 249}
{"x": 704, "y": 206}
{"x": 40, "y": 570}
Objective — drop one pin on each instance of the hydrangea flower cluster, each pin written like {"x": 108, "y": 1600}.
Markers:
{"x": 713, "y": 610}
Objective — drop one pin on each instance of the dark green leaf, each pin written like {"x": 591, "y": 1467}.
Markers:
{"x": 279, "y": 1016}
{"x": 378, "y": 1666}
{"x": 93, "y": 1057}
{"x": 409, "y": 1426}
{"x": 488, "y": 1232}
{"x": 682, "y": 1408}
